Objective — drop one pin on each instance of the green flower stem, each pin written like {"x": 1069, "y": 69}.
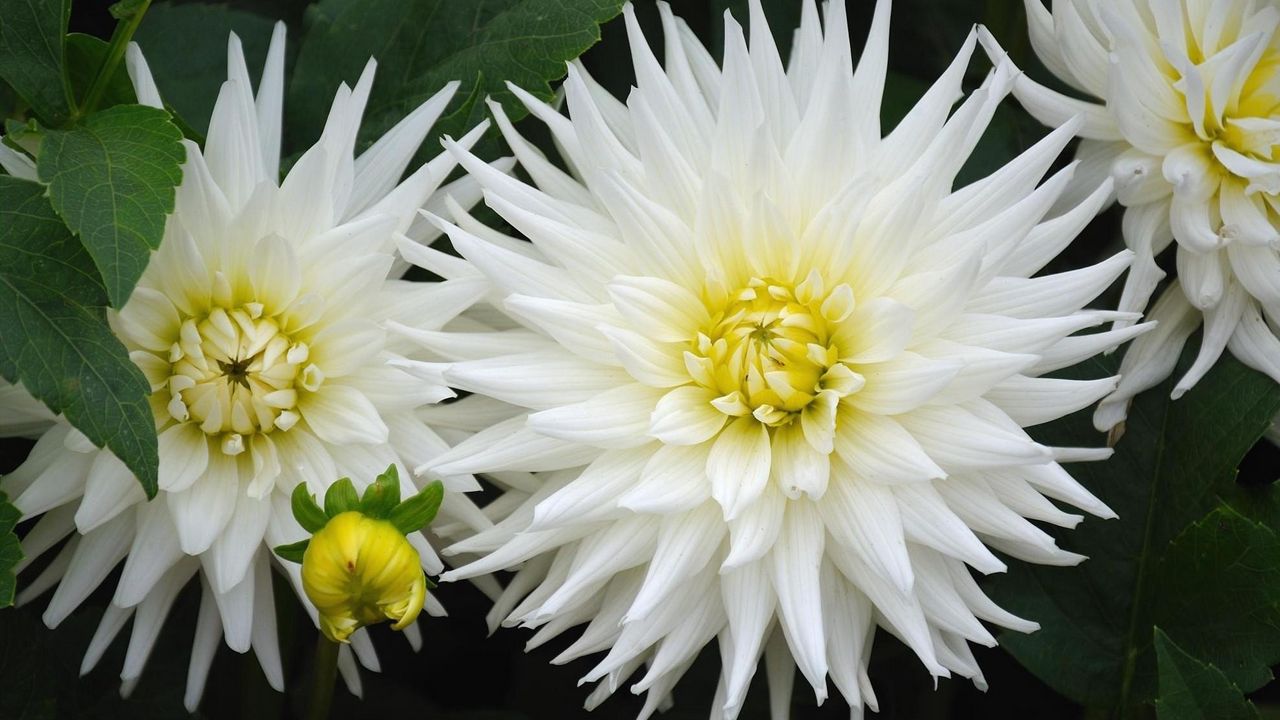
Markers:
{"x": 115, "y": 53}
{"x": 326, "y": 671}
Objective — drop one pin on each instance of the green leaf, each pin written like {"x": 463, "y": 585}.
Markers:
{"x": 341, "y": 497}
{"x": 381, "y": 497}
{"x": 1193, "y": 690}
{"x": 85, "y": 56}
{"x": 293, "y": 552}
{"x": 1219, "y": 594}
{"x": 186, "y": 49}
{"x": 418, "y": 511}
{"x": 305, "y": 510}
{"x": 1171, "y": 463}
{"x": 32, "y": 55}
{"x": 10, "y": 550}
{"x": 112, "y": 179}
{"x": 420, "y": 46}
{"x": 54, "y": 338}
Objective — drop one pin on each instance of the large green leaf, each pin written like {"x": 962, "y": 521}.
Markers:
{"x": 1173, "y": 460}
{"x": 1194, "y": 690}
{"x": 186, "y": 49}
{"x": 32, "y": 55}
{"x": 1219, "y": 594}
{"x": 54, "y": 337}
{"x": 10, "y": 550}
{"x": 423, "y": 44}
{"x": 112, "y": 180}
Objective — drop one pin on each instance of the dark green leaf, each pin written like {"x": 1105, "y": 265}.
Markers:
{"x": 1173, "y": 460}
{"x": 112, "y": 179}
{"x": 418, "y": 511}
{"x": 54, "y": 337}
{"x": 381, "y": 497}
{"x": 31, "y": 55}
{"x": 1193, "y": 690}
{"x": 306, "y": 511}
{"x": 10, "y": 550}
{"x": 423, "y": 45}
{"x": 293, "y": 552}
{"x": 341, "y": 497}
{"x": 85, "y": 55}
{"x": 1219, "y": 595}
{"x": 186, "y": 49}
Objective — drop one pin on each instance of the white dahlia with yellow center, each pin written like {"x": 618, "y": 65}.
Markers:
{"x": 1188, "y": 127}
{"x": 770, "y": 370}
{"x": 260, "y": 324}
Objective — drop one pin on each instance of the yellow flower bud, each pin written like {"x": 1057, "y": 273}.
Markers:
{"x": 358, "y": 571}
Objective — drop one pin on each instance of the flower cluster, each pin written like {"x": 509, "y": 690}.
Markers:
{"x": 751, "y": 371}
{"x": 1187, "y": 127}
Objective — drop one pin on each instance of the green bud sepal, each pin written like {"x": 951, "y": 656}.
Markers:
{"x": 381, "y": 501}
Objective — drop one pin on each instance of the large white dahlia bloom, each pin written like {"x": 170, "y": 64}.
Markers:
{"x": 1188, "y": 126}
{"x": 770, "y": 371}
{"x": 260, "y": 326}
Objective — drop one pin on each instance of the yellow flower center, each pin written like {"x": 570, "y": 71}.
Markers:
{"x": 234, "y": 371}
{"x": 1246, "y": 122}
{"x": 1258, "y": 99}
{"x": 769, "y": 349}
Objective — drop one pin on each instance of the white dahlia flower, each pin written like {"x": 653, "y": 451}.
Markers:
{"x": 260, "y": 326}
{"x": 771, "y": 371}
{"x": 1188, "y": 126}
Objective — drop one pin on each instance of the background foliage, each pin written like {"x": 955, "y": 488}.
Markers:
{"x": 1175, "y": 615}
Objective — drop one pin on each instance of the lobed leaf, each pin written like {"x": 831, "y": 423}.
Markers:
{"x": 423, "y": 45}
{"x": 1219, "y": 594}
{"x": 54, "y": 337}
{"x": 32, "y": 55}
{"x": 1194, "y": 690}
{"x": 112, "y": 180}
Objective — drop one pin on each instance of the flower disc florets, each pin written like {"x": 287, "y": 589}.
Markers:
{"x": 233, "y": 374}
{"x": 768, "y": 350}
